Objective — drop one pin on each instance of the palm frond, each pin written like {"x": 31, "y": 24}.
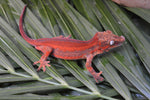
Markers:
{"x": 126, "y": 69}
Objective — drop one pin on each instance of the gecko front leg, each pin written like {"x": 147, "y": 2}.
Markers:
{"x": 96, "y": 75}
{"x": 46, "y": 51}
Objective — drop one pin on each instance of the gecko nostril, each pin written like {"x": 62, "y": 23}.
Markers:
{"x": 122, "y": 38}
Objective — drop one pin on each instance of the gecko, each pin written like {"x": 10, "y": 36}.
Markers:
{"x": 72, "y": 49}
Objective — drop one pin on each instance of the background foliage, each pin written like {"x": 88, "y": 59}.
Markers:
{"x": 126, "y": 69}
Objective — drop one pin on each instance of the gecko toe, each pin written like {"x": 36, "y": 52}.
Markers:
{"x": 42, "y": 65}
{"x": 36, "y": 62}
{"x": 97, "y": 77}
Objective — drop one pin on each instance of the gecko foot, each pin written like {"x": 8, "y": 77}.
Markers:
{"x": 97, "y": 77}
{"x": 42, "y": 65}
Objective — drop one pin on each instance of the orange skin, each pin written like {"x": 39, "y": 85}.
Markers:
{"x": 72, "y": 49}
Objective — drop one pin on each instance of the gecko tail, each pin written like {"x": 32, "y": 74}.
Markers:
{"x": 23, "y": 34}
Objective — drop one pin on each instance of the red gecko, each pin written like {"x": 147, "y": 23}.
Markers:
{"x": 72, "y": 49}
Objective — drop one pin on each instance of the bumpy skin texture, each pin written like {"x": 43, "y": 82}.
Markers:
{"x": 71, "y": 49}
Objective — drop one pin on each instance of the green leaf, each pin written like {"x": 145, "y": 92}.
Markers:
{"x": 9, "y": 47}
{"x": 5, "y": 62}
{"x": 143, "y": 13}
{"x": 137, "y": 40}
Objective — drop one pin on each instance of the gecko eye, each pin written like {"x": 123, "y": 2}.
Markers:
{"x": 111, "y": 42}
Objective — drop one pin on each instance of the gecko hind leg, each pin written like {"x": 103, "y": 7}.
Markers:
{"x": 96, "y": 75}
{"x": 46, "y": 51}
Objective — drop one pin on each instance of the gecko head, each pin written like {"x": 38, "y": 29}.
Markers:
{"x": 108, "y": 40}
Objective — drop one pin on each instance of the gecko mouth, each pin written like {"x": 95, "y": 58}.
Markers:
{"x": 117, "y": 43}
{"x": 120, "y": 41}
